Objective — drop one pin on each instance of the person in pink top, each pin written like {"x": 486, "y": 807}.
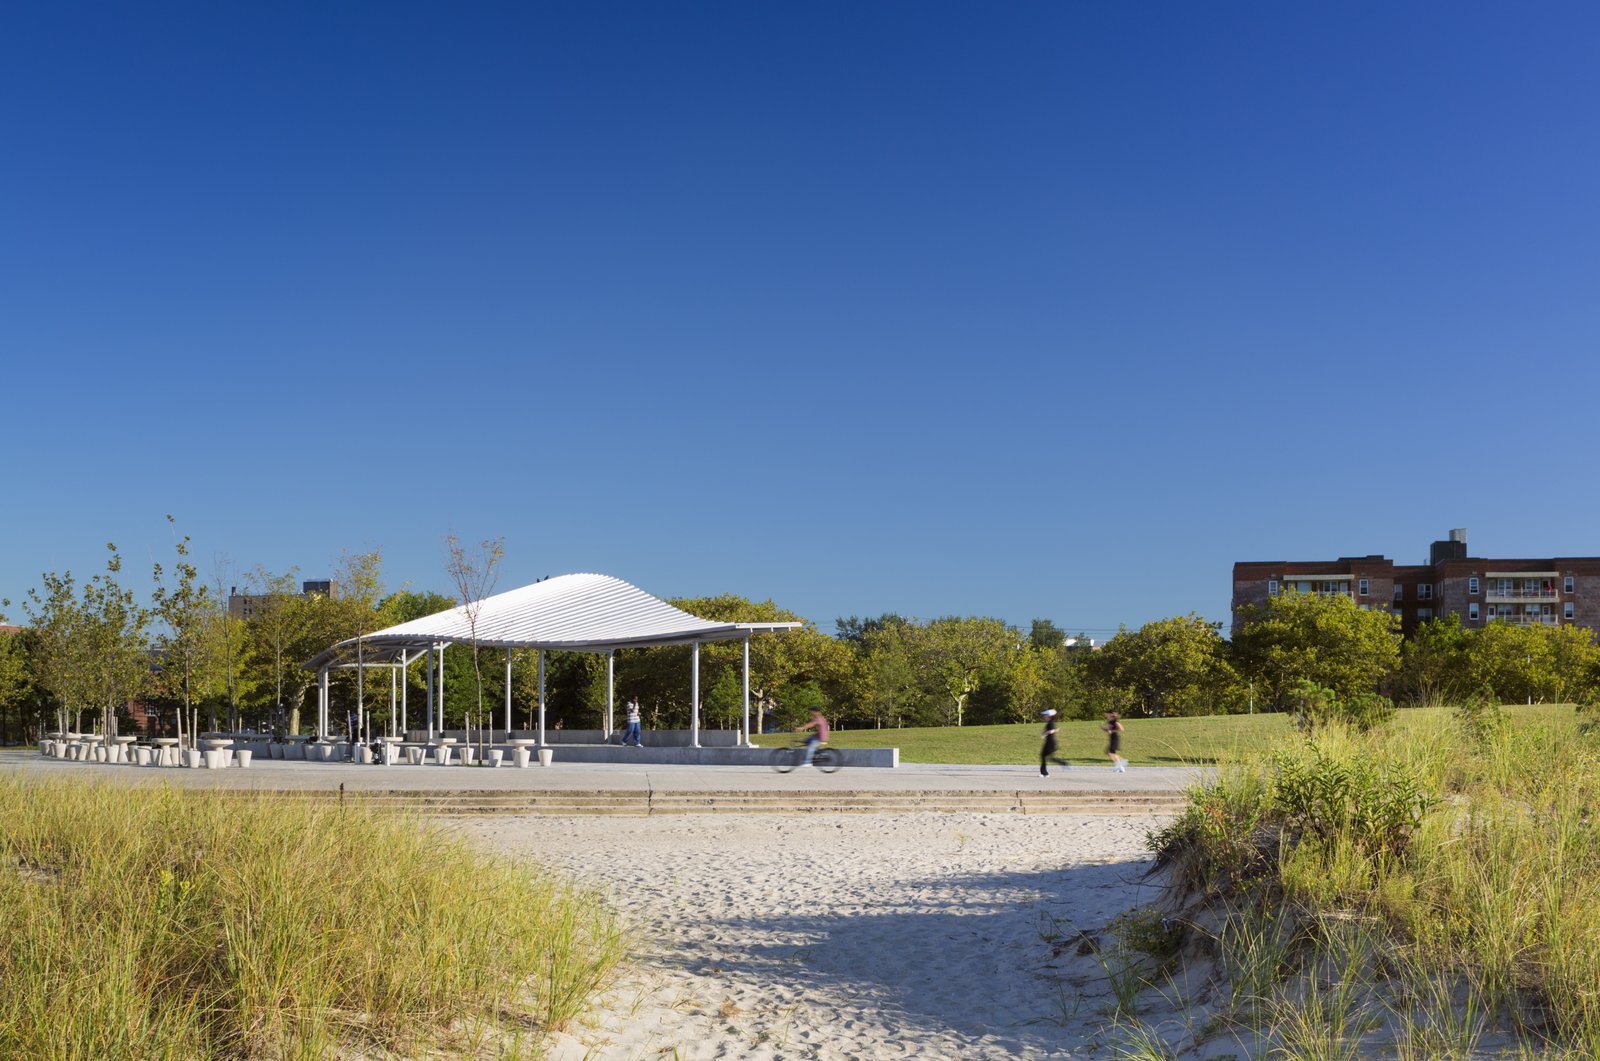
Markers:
{"x": 819, "y": 737}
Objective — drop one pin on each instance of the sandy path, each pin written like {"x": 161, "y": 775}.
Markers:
{"x": 846, "y": 936}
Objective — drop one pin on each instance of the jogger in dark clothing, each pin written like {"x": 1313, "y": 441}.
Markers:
{"x": 1047, "y": 754}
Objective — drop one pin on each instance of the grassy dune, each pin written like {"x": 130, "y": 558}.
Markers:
{"x": 1431, "y": 889}
{"x": 158, "y": 923}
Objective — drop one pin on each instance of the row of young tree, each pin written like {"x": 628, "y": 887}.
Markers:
{"x": 93, "y": 656}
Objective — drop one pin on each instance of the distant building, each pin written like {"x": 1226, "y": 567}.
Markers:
{"x": 1553, "y": 591}
{"x": 247, "y": 605}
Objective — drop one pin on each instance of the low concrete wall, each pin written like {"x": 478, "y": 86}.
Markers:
{"x": 678, "y": 753}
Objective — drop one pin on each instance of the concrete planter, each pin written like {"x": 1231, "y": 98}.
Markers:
{"x": 244, "y": 756}
{"x": 496, "y": 755}
{"x": 192, "y": 757}
{"x": 546, "y": 755}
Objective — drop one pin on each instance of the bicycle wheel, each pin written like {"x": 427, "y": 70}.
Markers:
{"x": 785, "y": 759}
{"x": 826, "y": 760}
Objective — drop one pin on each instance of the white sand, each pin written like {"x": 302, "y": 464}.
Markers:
{"x": 849, "y": 936}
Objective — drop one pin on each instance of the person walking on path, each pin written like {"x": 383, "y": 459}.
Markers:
{"x": 1113, "y": 728}
{"x": 817, "y": 738}
{"x": 1047, "y": 754}
{"x": 632, "y": 735}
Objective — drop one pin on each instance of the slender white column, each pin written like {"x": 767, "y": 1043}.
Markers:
{"x": 694, "y": 700}
{"x": 508, "y": 694}
{"x": 322, "y": 704}
{"x": 430, "y": 692}
{"x": 748, "y": 742}
{"x": 611, "y": 692}
{"x": 394, "y": 696}
{"x": 442, "y": 646}
{"x": 405, "y": 683}
{"x": 541, "y": 698}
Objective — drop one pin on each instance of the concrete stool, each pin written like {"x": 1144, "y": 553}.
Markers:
{"x": 244, "y": 755}
{"x": 495, "y": 755}
{"x": 441, "y": 755}
{"x": 519, "y": 756}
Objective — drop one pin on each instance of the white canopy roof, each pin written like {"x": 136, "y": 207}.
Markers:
{"x": 582, "y": 613}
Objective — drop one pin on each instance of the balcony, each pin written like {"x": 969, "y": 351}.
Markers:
{"x": 1525, "y": 620}
{"x": 1521, "y": 596}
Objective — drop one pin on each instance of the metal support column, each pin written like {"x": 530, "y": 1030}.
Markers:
{"x": 541, "y": 698}
{"x": 508, "y": 694}
{"x": 694, "y": 700}
{"x": 405, "y": 683}
{"x": 430, "y": 692}
{"x": 611, "y": 693}
{"x": 394, "y": 696}
{"x": 322, "y": 704}
{"x": 747, "y": 741}
{"x": 442, "y": 646}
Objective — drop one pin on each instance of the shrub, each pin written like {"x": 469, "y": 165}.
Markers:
{"x": 1480, "y": 717}
{"x": 1348, "y": 797}
{"x": 1316, "y": 706}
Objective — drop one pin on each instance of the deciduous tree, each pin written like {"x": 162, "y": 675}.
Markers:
{"x": 1324, "y": 639}
{"x": 1174, "y": 666}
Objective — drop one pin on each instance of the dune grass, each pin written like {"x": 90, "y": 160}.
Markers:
{"x": 161, "y": 923}
{"x": 1430, "y": 884}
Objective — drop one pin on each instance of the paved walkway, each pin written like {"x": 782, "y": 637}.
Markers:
{"x": 611, "y": 777}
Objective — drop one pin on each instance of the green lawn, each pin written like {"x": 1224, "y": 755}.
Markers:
{"x": 1152, "y": 741}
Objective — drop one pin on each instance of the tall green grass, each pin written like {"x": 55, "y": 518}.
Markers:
{"x": 1468, "y": 852}
{"x": 157, "y": 923}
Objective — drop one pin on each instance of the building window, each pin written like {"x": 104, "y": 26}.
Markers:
{"x": 1362, "y": 587}
{"x": 1399, "y": 591}
{"x": 1424, "y": 592}
{"x": 1566, "y": 611}
{"x": 1566, "y": 584}
{"x": 1472, "y": 611}
{"x": 1472, "y": 585}
{"x": 1272, "y": 587}
{"x": 1424, "y": 614}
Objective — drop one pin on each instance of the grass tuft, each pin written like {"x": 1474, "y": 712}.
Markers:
{"x": 154, "y": 923}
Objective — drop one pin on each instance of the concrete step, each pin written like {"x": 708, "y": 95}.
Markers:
{"x": 572, "y": 803}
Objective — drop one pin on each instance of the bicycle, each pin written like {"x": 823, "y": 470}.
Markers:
{"x": 786, "y": 759}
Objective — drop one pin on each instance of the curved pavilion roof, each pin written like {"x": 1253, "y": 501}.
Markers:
{"x": 581, "y": 613}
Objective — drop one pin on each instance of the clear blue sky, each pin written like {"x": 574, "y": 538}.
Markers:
{"x": 1051, "y": 309}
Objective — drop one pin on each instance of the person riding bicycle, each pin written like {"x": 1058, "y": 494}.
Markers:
{"x": 819, "y": 737}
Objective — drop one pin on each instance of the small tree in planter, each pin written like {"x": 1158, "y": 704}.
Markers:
{"x": 474, "y": 570}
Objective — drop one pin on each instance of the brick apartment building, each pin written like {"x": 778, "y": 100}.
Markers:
{"x": 246, "y": 605}
{"x": 1551, "y": 591}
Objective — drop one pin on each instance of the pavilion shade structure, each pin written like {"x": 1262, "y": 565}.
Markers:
{"x": 575, "y": 613}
